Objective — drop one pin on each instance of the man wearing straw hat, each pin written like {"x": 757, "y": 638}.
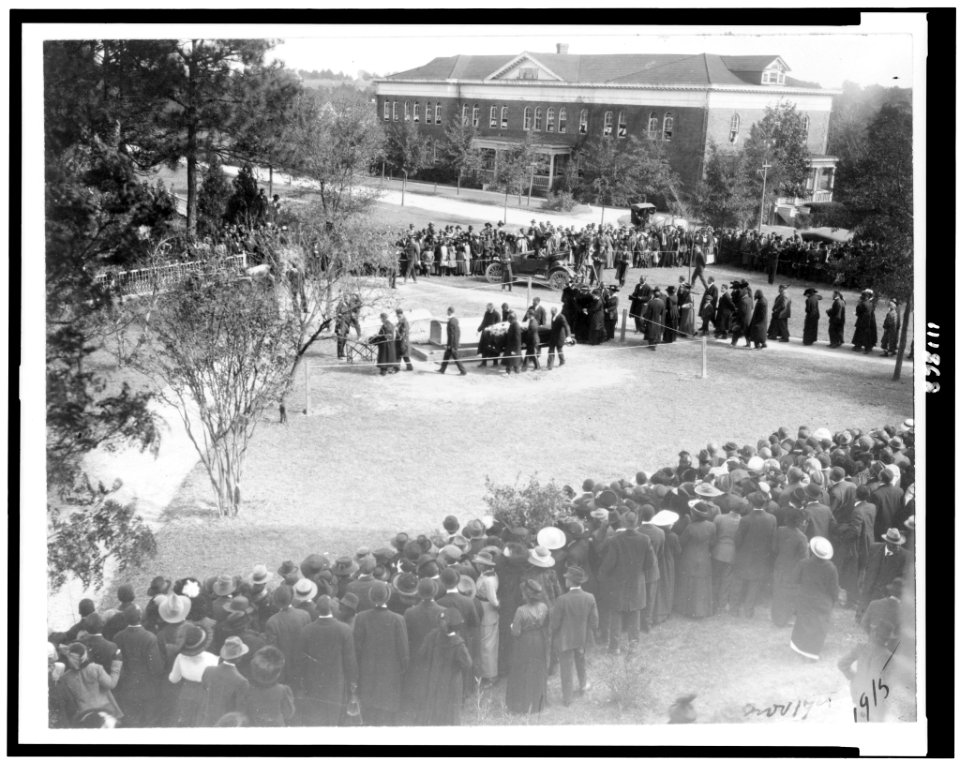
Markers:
{"x": 886, "y": 561}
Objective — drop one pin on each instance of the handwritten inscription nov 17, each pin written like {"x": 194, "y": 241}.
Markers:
{"x": 794, "y": 710}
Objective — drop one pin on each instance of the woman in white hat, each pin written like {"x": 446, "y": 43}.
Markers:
{"x": 666, "y": 591}
{"x": 817, "y": 593}
{"x": 541, "y": 569}
{"x": 487, "y": 586}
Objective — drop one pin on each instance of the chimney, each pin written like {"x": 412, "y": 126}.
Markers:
{"x": 562, "y": 48}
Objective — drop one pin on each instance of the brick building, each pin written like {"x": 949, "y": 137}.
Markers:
{"x": 562, "y": 99}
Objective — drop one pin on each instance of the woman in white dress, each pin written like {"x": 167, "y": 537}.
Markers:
{"x": 487, "y": 586}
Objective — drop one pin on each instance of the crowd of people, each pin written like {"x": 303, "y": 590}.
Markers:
{"x": 401, "y": 634}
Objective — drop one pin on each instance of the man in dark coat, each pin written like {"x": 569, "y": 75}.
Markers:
{"x": 610, "y": 309}
{"x": 757, "y": 331}
{"x": 653, "y": 319}
{"x": 713, "y": 294}
{"x": 137, "y": 691}
{"x": 889, "y": 500}
{"x": 117, "y": 622}
{"x": 412, "y": 252}
{"x": 836, "y": 318}
{"x": 820, "y": 520}
{"x": 572, "y": 619}
{"x": 740, "y": 323}
{"x": 490, "y": 317}
{"x": 846, "y": 533}
{"x": 283, "y": 631}
{"x": 386, "y": 341}
{"x": 452, "y": 352}
{"x": 811, "y": 320}
{"x": 628, "y": 560}
{"x": 657, "y": 541}
{"x": 755, "y": 544}
{"x": 383, "y": 654}
{"x": 596, "y": 316}
{"x": 223, "y": 684}
{"x": 886, "y": 561}
{"x": 531, "y": 341}
{"x": 513, "y": 345}
{"x": 642, "y": 293}
{"x": 865, "y": 328}
{"x": 867, "y": 513}
{"x": 559, "y": 331}
{"x": 725, "y": 309}
{"x": 100, "y": 650}
{"x": 699, "y": 265}
{"x": 403, "y": 339}
{"x": 780, "y": 316}
{"x": 328, "y": 667}
{"x": 469, "y": 608}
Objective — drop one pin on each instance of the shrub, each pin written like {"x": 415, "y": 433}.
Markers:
{"x": 532, "y": 505}
{"x": 560, "y": 202}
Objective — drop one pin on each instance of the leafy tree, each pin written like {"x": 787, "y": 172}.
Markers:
{"x": 780, "y": 140}
{"x": 405, "y": 149}
{"x": 336, "y": 141}
{"x": 618, "y": 171}
{"x": 212, "y": 201}
{"x": 514, "y": 168}
{"x": 457, "y": 152}
{"x": 722, "y": 196}
{"x": 243, "y": 206}
{"x": 220, "y": 347}
{"x": 879, "y": 199}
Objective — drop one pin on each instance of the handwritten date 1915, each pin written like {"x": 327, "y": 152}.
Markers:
{"x": 799, "y": 709}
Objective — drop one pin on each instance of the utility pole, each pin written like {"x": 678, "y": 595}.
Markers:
{"x": 763, "y": 194}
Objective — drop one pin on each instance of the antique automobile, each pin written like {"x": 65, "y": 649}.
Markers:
{"x": 641, "y": 213}
{"x": 544, "y": 268}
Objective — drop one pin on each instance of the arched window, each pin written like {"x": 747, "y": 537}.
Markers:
{"x": 416, "y": 111}
{"x": 537, "y": 119}
{"x": 734, "y": 128}
{"x": 395, "y": 104}
{"x": 607, "y": 123}
{"x": 551, "y": 120}
{"x": 621, "y": 125}
{"x": 465, "y": 116}
{"x": 526, "y": 119}
{"x": 493, "y": 117}
{"x": 428, "y": 108}
{"x": 406, "y": 111}
{"x": 584, "y": 117}
{"x": 436, "y": 114}
{"x": 668, "y": 127}
{"x": 503, "y": 117}
{"x": 476, "y": 116}
{"x": 562, "y": 120}
{"x": 806, "y": 125}
{"x": 653, "y": 126}
{"x": 386, "y": 109}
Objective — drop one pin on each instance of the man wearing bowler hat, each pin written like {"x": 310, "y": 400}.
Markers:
{"x": 143, "y": 662}
{"x": 573, "y": 618}
{"x": 383, "y": 655}
{"x": 283, "y": 631}
{"x": 327, "y": 662}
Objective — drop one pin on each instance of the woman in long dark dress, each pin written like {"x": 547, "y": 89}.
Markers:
{"x": 758, "y": 322}
{"x": 891, "y": 330}
{"x": 666, "y": 590}
{"x": 445, "y": 659}
{"x": 671, "y": 316}
{"x": 791, "y": 549}
{"x": 687, "y": 318}
{"x": 695, "y": 573}
{"x": 386, "y": 341}
{"x": 530, "y": 655}
{"x": 819, "y": 588}
{"x": 811, "y": 321}
{"x": 511, "y": 565}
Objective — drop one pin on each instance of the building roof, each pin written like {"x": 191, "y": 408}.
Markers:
{"x": 701, "y": 69}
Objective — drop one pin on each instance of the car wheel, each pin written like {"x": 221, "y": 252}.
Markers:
{"x": 558, "y": 280}
{"x": 494, "y": 272}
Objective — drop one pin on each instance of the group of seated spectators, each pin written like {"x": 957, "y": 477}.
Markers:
{"x": 399, "y": 634}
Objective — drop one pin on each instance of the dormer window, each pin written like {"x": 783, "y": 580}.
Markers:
{"x": 774, "y": 75}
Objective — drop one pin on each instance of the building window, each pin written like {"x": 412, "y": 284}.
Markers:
{"x": 621, "y": 125}
{"x": 436, "y": 114}
{"x": 429, "y": 112}
{"x": 653, "y": 126}
{"x": 416, "y": 111}
{"x": 806, "y": 125}
{"x": 734, "y": 128}
{"x": 607, "y": 123}
{"x": 395, "y": 104}
{"x": 668, "y": 127}
{"x": 526, "y": 119}
{"x": 386, "y": 109}
{"x": 774, "y": 76}
{"x": 493, "y": 117}
{"x": 476, "y": 116}
{"x": 406, "y": 111}
{"x": 551, "y": 119}
{"x": 562, "y": 120}
{"x": 528, "y": 72}
{"x": 503, "y": 118}
{"x": 465, "y": 115}
{"x": 583, "y": 121}
{"x": 537, "y": 119}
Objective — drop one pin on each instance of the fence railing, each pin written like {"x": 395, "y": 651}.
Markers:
{"x": 147, "y": 279}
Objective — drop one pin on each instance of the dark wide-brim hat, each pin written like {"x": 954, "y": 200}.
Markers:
{"x": 345, "y": 566}
{"x": 810, "y": 291}
{"x": 266, "y": 666}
